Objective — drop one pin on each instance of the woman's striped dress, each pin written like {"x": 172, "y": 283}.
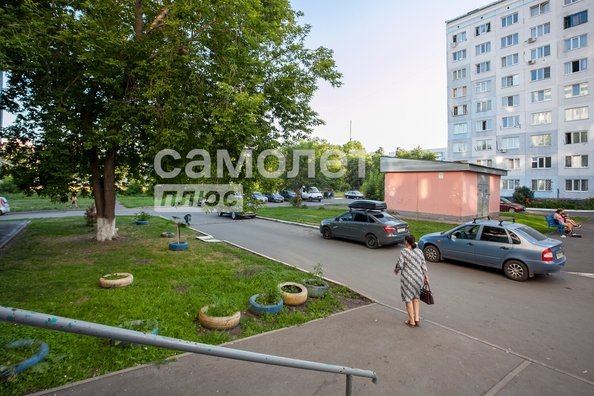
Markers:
{"x": 412, "y": 267}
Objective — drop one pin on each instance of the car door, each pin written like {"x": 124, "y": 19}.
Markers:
{"x": 493, "y": 246}
{"x": 340, "y": 226}
{"x": 461, "y": 243}
{"x": 359, "y": 227}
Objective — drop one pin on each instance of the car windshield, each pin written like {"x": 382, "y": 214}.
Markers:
{"x": 384, "y": 217}
{"x": 314, "y": 190}
{"x": 531, "y": 233}
{"x": 507, "y": 201}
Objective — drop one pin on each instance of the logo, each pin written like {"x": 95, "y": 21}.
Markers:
{"x": 192, "y": 198}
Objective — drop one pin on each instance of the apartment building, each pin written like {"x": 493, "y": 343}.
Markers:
{"x": 520, "y": 94}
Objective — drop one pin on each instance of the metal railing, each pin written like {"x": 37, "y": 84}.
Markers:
{"x": 52, "y": 322}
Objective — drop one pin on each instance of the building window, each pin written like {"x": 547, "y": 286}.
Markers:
{"x": 542, "y": 185}
{"x": 575, "y": 66}
{"x": 508, "y": 101}
{"x": 510, "y": 143}
{"x": 482, "y": 29}
{"x": 460, "y": 128}
{"x": 482, "y": 106}
{"x": 459, "y": 91}
{"x": 568, "y": 2}
{"x": 540, "y": 52}
{"x": 540, "y": 74}
{"x": 483, "y": 48}
{"x": 511, "y": 163}
{"x": 576, "y": 42}
{"x": 576, "y": 185}
{"x": 509, "y": 60}
{"x": 510, "y": 184}
{"x": 458, "y": 74}
{"x": 542, "y": 8}
{"x": 573, "y": 90}
{"x": 575, "y": 19}
{"x": 460, "y": 147}
{"x": 510, "y": 40}
{"x": 576, "y": 161}
{"x": 541, "y": 163}
{"x": 576, "y": 137}
{"x": 511, "y": 122}
{"x": 541, "y": 118}
{"x": 509, "y": 19}
{"x": 459, "y": 55}
{"x": 460, "y": 110}
{"x": 576, "y": 113}
{"x": 541, "y": 96}
{"x": 540, "y": 140}
{"x": 458, "y": 38}
{"x": 483, "y": 145}
{"x": 483, "y": 86}
{"x": 510, "y": 81}
{"x": 484, "y": 162}
{"x": 483, "y": 67}
{"x": 540, "y": 30}
{"x": 484, "y": 125}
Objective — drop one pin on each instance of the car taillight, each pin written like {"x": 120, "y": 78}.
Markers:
{"x": 547, "y": 255}
{"x": 389, "y": 229}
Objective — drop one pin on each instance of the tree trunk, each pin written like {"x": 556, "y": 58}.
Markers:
{"x": 104, "y": 191}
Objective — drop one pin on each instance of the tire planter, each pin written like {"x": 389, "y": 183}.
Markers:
{"x": 133, "y": 325}
{"x": 293, "y": 299}
{"x": 259, "y": 309}
{"x": 315, "y": 291}
{"x": 112, "y": 283}
{"x": 27, "y": 363}
{"x": 218, "y": 322}
{"x": 167, "y": 235}
{"x": 178, "y": 246}
{"x": 141, "y": 222}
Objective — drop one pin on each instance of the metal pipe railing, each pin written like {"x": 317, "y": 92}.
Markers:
{"x": 52, "y": 322}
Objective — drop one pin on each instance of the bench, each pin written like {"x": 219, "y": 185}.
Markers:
{"x": 552, "y": 222}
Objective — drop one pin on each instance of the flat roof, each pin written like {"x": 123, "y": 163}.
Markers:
{"x": 477, "y": 10}
{"x": 391, "y": 164}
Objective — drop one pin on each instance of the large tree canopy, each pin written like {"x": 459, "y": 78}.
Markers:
{"x": 101, "y": 86}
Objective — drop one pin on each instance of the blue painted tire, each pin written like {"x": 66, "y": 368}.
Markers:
{"x": 141, "y": 222}
{"x": 167, "y": 234}
{"x": 315, "y": 291}
{"x": 259, "y": 309}
{"x": 178, "y": 246}
{"x": 27, "y": 363}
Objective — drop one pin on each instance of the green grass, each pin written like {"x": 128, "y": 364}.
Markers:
{"x": 55, "y": 267}
{"x": 21, "y": 203}
{"x": 136, "y": 201}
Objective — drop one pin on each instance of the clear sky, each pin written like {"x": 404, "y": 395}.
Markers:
{"x": 392, "y": 54}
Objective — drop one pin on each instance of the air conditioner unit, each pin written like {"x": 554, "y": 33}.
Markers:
{"x": 503, "y": 150}
{"x": 532, "y": 39}
{"x": 454, "y": 44}
{"x": 531, "y": 62}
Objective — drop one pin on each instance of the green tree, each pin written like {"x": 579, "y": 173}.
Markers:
{"x": 101, "y": 86}
{"x": 416, "y": 153}
{"x": 374, "y": 185}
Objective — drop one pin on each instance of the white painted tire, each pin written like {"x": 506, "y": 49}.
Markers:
{"x": 112, "y": 283}
{"x": 293, "y": 299}
{"x": 218, "y": 322}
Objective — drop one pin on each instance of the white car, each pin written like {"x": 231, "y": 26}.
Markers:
{"x": 4, "y": 206}
{"x": 258, "y": 196}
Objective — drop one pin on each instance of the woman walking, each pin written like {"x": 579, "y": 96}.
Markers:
{"x": 414, "y": 275}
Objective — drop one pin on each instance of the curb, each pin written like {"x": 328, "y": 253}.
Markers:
{"x": 14, "y": 232}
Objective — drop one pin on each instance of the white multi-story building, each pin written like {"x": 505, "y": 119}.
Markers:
{"x": 520, "y": 94}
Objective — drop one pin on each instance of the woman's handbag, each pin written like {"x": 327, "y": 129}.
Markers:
{"x": 426, "y": 295}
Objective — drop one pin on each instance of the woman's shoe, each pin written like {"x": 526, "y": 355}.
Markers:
{"x": 409, "y": 324}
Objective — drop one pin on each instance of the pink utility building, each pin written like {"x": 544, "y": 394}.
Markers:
{"x": 454, "y": 191}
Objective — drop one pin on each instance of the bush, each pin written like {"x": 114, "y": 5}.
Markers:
{"x": 523, "y": 195}
{"x": 7, "y": 186}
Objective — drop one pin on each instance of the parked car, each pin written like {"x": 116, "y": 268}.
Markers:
{"x": 354, "y": 195}
{"x": 250, "y": 212}
{"x": 366, "y": 222}
{"x": 505, "y": 205}
{"x": 288, "y": 194}
{"x": 275, "y": 197}
{"x": 258, "y": 196}
{"x": 4, "y": 206}
{"x": 311, "y": 194}
{"x": 518, "y": 249}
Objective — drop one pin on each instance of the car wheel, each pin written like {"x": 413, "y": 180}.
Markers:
{"x": 511, "y": 210}
{"x": 220, "y": 214}
{"x": 371, "y": 241}
{"x": 253, "y": 217}
{"x": 234, "y": 216}
{"x": 516, "y": 270}
{"x": 320, "y": 200}
{"x": 327, "y": 233}
{"x": 431, "y": 253}
{"x": 310, "y": 199}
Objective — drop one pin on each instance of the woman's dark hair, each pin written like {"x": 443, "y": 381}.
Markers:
{"x": 410, "y": 238}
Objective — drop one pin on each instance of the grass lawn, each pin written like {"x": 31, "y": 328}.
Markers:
{"x": 21, "y": 203}
{"x": 54, "y": 267}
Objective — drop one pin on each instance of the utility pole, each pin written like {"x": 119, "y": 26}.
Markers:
{"x": 350, "y": 131}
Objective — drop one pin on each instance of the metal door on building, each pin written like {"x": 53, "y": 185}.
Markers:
{"x": 484, "y": 195}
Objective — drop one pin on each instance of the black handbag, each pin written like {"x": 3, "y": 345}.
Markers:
{"x": 426, "y": 295}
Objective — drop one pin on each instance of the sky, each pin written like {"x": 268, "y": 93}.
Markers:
{"x": 392, "y": 54}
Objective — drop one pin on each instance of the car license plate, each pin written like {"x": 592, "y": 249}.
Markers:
{"x": 401, "y": 230}
{"x": 559, "y": 254}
